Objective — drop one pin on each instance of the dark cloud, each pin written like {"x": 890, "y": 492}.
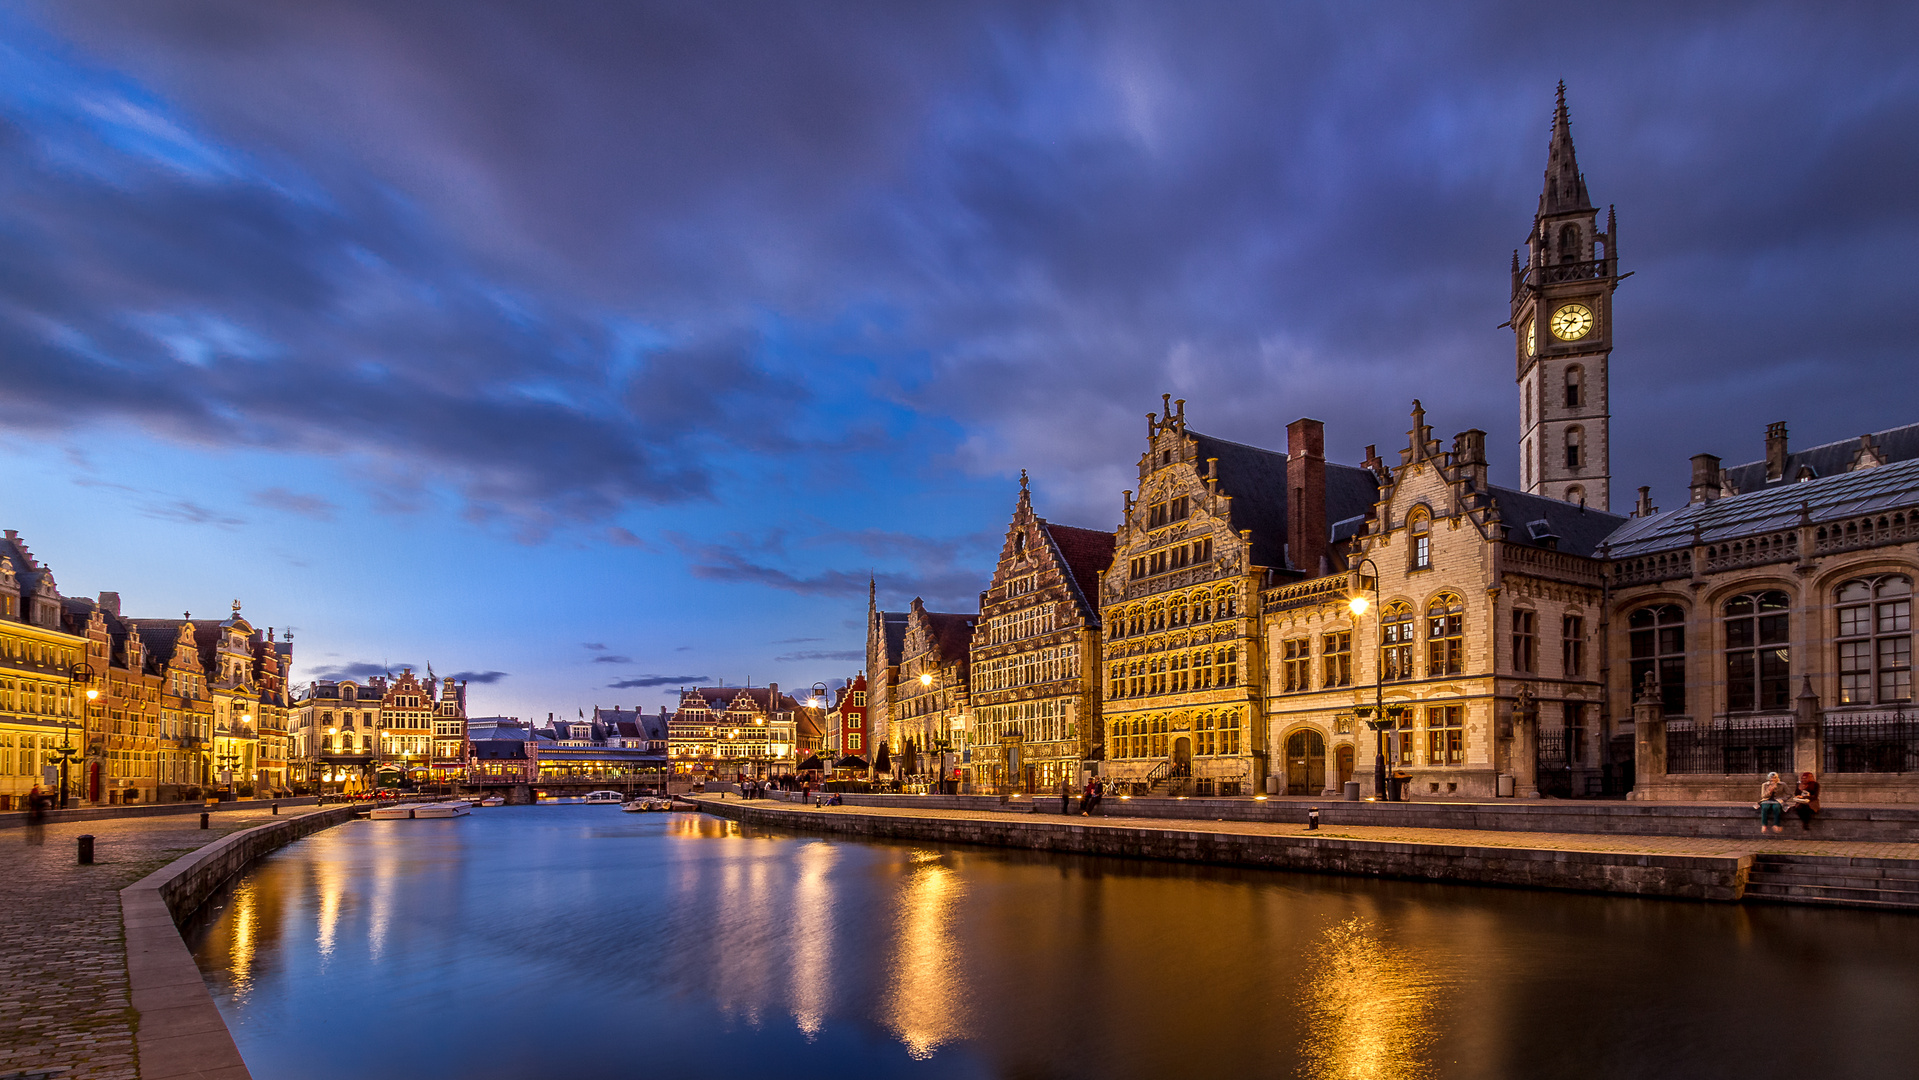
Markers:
{"x": 657, "y": 680}
{"x": 795, "y": 641}
{"x": 595, "y": 646}
{"x": 357, "y": 670}
{"x": 482, "y": 677}
{"x": 612, "y": 659}
{"x": 745, "y": 561}
{"x": 845, "y": 654}
{"x": 293, "y": 502}
{"x": 623, "y": 537}
{"x": 187, "y": 512}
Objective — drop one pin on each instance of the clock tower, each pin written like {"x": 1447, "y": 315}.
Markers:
{"x": 1562, "y": 330}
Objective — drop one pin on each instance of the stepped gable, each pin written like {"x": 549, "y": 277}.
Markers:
{"x": 1086, "y": 553}
{"x": 1888, "y": 447}
{"x": 1771, "y": 509}
{"x": 1568, "y": 527}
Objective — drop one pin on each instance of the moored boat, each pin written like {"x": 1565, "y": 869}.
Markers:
{"x": 456, "y": 808}
{"x": 388, "y": 813}
{"x": 647, "y": 804}
{"x": 492, "y": 800}
{"x": 609, "y": 798}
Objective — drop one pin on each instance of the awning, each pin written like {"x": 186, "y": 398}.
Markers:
{"x": 850, "y": 761}
{"x": 810, "y": 764}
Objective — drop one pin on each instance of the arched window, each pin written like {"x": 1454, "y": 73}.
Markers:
{"x": 1758, "y": 653}
{"x": 1419, "y": 526}
{"x": 1445, "y": 635}
{"x": 1225, "y": 605}
{"x": 1575, "y": 386}
{"x": 1875, "y": 640}
{"x": 1576, "y": 494}
{"x": 1569, "y": 244}
{"x": 1575, "y": 456}
{"x": 1396, "y": 641}
{"x": 1656, "y": 640}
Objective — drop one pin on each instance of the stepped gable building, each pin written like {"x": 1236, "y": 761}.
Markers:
{"x": 1210, "y": 527}
{"x": 407, "y": 712}
{"x": 41, "y": 708}
{"x": 929, "y": 714}
{"x": 1035, "y": 665}
{"x": 1482, "y": 608}
{"x": 449, "y": 727}
{"x": 728, "y": 731}
{"x": 1767, "y": 623}
{"x": 885, "y": 647}
{"x": 1562, "y": 334}
{"x": 847, "y": 728}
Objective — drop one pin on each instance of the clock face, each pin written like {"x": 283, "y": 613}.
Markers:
{"x": 1532, "y": 329}
{"x": 1572, "y": 322}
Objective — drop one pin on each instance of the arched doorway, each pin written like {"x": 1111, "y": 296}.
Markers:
{"x": 1343, "y": 763}
{"x": 1305, "y": 763}
{"x": 1182, "y": 756}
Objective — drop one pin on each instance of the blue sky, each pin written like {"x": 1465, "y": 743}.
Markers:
{"x": 593, "y": 348}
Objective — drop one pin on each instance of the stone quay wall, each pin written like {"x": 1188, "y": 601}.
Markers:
{"x": 1689, "y": 877}
{"x": 180, "y": 1031}
{"x": 14, "y": 820}
{"x": 1885, "y": 824}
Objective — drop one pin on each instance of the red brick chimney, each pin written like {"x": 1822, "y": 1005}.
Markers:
{"x": 1306, "y": 496}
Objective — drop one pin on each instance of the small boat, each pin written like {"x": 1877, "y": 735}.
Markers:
{"x": 457, "y": 808}
{"x": 389, "y": 813}
{"x": 611, "y": 798}
{"x": 492, "y": 800}
{"x": 647, "y": 805}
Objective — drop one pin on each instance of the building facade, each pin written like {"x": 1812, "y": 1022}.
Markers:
{"x": 42, "y": 719}
{"x": 728, "y": 731}
{"x": 929, "y": 713}
{"x": 1035, "y": 664}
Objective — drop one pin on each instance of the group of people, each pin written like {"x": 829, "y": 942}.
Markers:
{"x": 1774, "y": 804}
{"x": 1089, "y": 799}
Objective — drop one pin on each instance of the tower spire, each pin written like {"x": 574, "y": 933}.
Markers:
{"x": 1565, "y": 188}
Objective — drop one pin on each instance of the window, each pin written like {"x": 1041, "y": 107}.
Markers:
{"x": 1296, "y": 664}
{"x": 1574, "y": 719}
{"x": 1575, "y": 387}
{"x": 1445, "y": 640}
{"x": 853, "y": 740}
{"x": 1656, "y": 642}
{"x": 1875, "y": 640}
{"x": 1576, "y": 494}
{"x": 1569, "y": 244}
{"x": 1338, "y": 652}
{"x": 1396, "y": 641}
{"x": 1525, "y": 636}
{"x": 1445, "y": 735}
{"x": 1572, "y": 645}
{"x": 1574, "y": 456}
{"x": 1758, "y": 672}
{"x": 1420, "y": 526}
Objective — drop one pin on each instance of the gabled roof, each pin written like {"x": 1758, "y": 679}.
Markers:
{"x": 1086, "y": 553}
{"x": 1537, "y": 521}
{"x": 892, "y": 636}
{"x": 1830, "y": 459}
{"x": 952, "y": 633}
{"x": 1256, "y": 480}
{"x": 1774, "y": 507}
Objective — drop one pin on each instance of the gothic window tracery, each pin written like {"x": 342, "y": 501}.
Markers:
{"x": 1758, "y": 651}
{"x": 1445, "y": 635}
{"x": 1656, "y": 642}
{"x": 1875, "y": 640}
{"x": 1396, "y": 641}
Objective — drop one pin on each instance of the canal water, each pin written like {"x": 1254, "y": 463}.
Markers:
{"x": 576, "y": 942}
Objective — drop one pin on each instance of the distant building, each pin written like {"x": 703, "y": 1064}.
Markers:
{"x": 932, "y": 702}
{"x": 731, "y": 730}
{"x": 611, "y": 743}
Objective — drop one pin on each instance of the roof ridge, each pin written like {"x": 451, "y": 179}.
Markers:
{"x": 1851, "y": 441}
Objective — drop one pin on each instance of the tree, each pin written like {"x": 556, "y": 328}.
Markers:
{"x": 883, "y": 763}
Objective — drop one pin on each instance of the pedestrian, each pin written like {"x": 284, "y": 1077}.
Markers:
{"x": 1771, "y": 805}
{"x": 1065, "y": 795}
{"x": 1089, "y": 802}
{"x": 37, "y": 816}
{"x": 1805, "y": 800}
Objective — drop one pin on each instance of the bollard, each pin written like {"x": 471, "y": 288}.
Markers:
{"x": 203, "y": 819}
{"x": 86, "y": 848}
{"x": 276, "y": 809}
{"x": 1312, "y": 819}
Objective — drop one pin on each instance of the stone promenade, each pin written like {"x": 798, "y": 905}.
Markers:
{"x": 1464, "y": 838}
{"x": 64, "y": 1005}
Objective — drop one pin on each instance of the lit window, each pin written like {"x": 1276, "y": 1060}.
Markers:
{"x": 1396, "y": 641}
{"x": 1445, "y": 635}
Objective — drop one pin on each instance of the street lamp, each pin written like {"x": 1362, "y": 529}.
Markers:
{"x": 1377, "y": 721}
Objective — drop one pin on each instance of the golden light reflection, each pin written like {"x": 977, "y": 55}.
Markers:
{"x": 924, "y": 993}
{"x": 1370, "y": 1008}
{"x": 244, "y": 918}
{"x": 811, "y": 970}
{"x": 332, "y": 888}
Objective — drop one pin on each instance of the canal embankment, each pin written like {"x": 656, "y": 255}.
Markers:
{"x": 1676, "y": 867}
{"x": 15, "y": 819}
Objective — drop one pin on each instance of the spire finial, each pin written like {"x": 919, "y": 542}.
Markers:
{"x": 1022, "y": 481}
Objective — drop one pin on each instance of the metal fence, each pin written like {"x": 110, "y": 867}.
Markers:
{"x": 1878, "y": 742}
{"x": 1725, "y": 745}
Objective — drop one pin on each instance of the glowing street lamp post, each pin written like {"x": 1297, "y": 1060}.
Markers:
{"x": 67, "y": 753}
{"x": 1377, "y": 721}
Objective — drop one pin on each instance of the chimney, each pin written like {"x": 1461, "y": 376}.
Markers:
{"x": 1306, "y": 494}
{"x": 110, "y": 603}
{"x": 1705, "y": 477}
{"x": 1469, "y": 456}
{"x": 1644, "y": 508}
{"x": 1776, "y": 450}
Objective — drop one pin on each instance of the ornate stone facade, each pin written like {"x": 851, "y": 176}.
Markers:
{"x": 1036, "y": 656}
{"x": 929, "y": 712}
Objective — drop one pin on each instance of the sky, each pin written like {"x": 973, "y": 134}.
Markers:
{"x": 594, "y": 349}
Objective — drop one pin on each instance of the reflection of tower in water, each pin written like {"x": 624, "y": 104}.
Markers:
{"x": 1370, "y": 1009}
{"x": 924, "y": 995}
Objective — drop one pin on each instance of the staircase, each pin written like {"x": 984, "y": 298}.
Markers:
{"x": 1160, "y": 780}
{"x": 1883, "y": 884}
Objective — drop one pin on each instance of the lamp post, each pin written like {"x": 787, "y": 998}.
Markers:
{"x": 1377, "y": 721}
{"x": 67, "y": 753}
{"x": 926, "y": 679}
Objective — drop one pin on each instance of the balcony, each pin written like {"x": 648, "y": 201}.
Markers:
{"x": 1531, "y": 277}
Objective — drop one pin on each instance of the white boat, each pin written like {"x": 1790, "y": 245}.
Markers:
{"x": 388, "y": 813}
{"x": 645, "y": 805}
{"x": 442, "y": 810}
{"x": 613, "y": 798}
{"x": 492, "y": 800}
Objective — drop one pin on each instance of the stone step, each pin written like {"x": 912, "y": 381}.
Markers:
{"x": 1858, "y": 879}
{"x": 1831, "y": 895}
{"x": 1897, "y": 868}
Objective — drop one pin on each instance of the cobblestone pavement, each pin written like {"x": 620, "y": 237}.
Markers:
{"x": 64, "y": 1009}
{"x": 1647, "y": 845}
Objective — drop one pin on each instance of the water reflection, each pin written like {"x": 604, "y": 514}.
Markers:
{"x": 578, "y": 942}
{"x": 1370, "y": 1008}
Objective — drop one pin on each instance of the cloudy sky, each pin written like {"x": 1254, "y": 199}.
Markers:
{"x": 595, "y": 348}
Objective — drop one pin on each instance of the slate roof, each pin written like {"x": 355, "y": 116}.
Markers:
{"x": 1894, "y": 445}
{"x": 1774, "y": 507}
{"x": 1256, "y": 479}
{"x": 499, "y": 749}
{"x": 1568, "y": 526}
{"x": 893, "y": 636}
{"x": 1086, "y": 553}
{"x": 953, "y": 633}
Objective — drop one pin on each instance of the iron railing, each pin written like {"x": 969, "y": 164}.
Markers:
{"x": 1872, "y": 742}
{"x": 1731, "y": 745}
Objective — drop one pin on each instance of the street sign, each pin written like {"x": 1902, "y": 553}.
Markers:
{"x": 226, "y": 776}
{"x": 50, "y": 775}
